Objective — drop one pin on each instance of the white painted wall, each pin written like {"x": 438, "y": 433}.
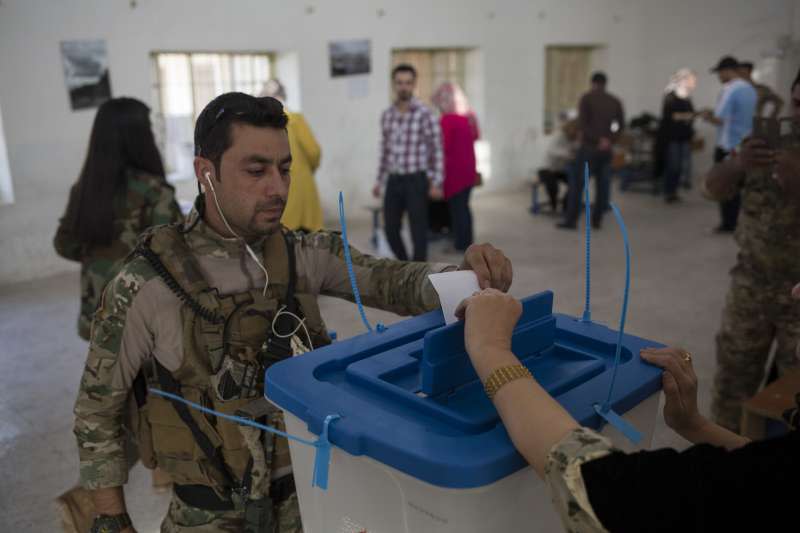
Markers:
{"x": 645, "y": 41}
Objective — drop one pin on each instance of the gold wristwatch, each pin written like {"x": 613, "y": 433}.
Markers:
{"x": 503, "y": 375}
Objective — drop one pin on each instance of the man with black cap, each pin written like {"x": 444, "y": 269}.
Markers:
{"x": 733, "y": 116}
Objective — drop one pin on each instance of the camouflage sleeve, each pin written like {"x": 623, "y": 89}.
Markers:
{"x": 563, "y": 476}
{"x": 101, "y": 404}
{"x": 164, "y": 209}
{"x": 401, "y": 287}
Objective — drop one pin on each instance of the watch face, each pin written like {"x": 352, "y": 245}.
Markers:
{"x": 109, "y": 524}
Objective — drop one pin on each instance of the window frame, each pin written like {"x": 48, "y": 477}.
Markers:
{"x": 158, "y": 84}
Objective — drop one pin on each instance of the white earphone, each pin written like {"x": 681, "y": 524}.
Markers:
{"x": 250, "y": 251}
{"x": 207, "y": 175}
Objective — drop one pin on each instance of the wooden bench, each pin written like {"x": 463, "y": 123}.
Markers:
{"x": 770, "y": 404}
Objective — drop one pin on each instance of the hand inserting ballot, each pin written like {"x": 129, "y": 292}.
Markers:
{"x": 491, "y": 266}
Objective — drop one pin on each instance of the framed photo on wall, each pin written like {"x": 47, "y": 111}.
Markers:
{"x": 349, "y": 58}
{"x": 86, "y": 73}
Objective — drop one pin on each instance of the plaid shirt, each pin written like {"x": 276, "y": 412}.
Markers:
{"x": 412, "y": 142}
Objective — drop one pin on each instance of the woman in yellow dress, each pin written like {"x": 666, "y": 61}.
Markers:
{"x": 303, "y": 210}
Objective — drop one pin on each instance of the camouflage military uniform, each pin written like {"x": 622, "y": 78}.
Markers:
{"x": 141, "y": 319}
{"x": 759, "y": 308}
{"x": 148, "y": 201}
{"x": 563, "y": 476}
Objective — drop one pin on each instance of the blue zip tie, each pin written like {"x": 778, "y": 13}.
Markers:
{"x": 587, "y": 312}
{"x": 349, "y": 261}
{"x": 322, "y": 444}
{"x": 605, "y": 410}
{"x": 621, "y": 425}
{"x": 322, "y": 458}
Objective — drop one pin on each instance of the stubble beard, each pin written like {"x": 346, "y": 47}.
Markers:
{"x": 266, "y": 228}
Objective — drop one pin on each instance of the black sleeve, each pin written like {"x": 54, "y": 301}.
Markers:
{"x": 665, "y": 111}
{"x": 704, "y": 488}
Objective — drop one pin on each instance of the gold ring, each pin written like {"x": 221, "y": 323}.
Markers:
{"x": 686, "y": 356}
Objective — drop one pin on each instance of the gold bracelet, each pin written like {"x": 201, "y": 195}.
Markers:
{"x": 502, "y": 376}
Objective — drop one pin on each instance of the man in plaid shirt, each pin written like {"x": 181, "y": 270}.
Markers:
{"x": 411, "y": 164}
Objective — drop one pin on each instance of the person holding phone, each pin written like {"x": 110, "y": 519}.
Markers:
{"x": 758, "y": 309}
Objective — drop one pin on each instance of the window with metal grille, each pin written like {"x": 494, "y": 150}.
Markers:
{"x": 567, "y": 71}
{"x": 185, "y": 82}
{"x": 434, "y": 67}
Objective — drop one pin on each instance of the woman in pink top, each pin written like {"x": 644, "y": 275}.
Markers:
{"x": 459, "y": 133}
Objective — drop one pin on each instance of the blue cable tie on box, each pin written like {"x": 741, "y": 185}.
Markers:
{"x": 349, "y": 261}
{"x": 605, "y": 410}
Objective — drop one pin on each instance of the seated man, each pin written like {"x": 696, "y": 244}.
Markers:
{"x": 201, "y": 309}
{"x": 560, "y": 154}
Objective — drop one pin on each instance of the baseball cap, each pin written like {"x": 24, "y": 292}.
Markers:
{"x": 727, "y": 62}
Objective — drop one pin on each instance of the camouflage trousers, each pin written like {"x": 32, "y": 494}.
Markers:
{"x": 182, "y": 518}
{"x": 759, "y": 310}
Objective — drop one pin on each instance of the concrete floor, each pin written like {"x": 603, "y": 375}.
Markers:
{"x": 679, "y": 281}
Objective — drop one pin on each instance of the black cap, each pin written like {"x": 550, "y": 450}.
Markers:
{"x": 727, "y": 62}
{"x": 746, "y": 64}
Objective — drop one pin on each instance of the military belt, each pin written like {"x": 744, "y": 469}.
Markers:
{"x": 203, "y": 497}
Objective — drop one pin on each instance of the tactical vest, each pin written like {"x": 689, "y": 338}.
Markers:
{"x": 227, "y": 345}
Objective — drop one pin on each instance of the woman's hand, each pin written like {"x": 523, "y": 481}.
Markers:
{"x": 490, "y": 317}
{"x": 680, "y": 387}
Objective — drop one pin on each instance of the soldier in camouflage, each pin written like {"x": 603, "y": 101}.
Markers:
{"x": 199, "y": 299}
{"x": 759, "y": 309}
{"x": 137, "y": 198}
{"x": 149, "y": 201}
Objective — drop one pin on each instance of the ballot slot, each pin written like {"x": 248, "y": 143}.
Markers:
{"x": 433, "y": 378}
{"x": 445, "y": 364}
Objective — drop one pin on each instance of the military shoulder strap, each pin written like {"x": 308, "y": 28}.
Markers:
{"x": 175, "y": 239}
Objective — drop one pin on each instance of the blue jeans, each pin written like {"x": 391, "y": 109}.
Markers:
{"x": 678, "y": 167}
{"x": 600, "y": 168}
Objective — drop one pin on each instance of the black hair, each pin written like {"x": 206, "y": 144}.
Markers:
{"x": 121, "y": 140}
{"x": 212, "y": 133}
{"x": 404, "y": 67}
{"x": 599, "y": 78}
{"x": 746, "y": 64}
{"x": 796, "y": 81}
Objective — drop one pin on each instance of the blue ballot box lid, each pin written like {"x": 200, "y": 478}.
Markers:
{"x": 409, "y": 397}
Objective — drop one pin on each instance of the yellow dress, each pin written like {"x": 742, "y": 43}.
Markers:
{"x": 303, "y": 209}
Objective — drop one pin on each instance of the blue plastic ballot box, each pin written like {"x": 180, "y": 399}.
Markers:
{"x": 419, "y": 446}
